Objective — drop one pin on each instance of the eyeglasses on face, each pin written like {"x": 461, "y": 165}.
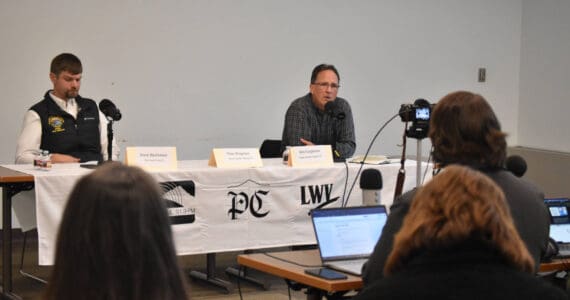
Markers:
{"x": 324, "y": 85}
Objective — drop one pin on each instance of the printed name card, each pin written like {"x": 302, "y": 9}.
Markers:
{"x": 235, "y": 158}
{"x": 152, "y": 158}
{"x": 310, "y": 156}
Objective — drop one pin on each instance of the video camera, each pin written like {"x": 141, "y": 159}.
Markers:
{"x": 419, "y": 114}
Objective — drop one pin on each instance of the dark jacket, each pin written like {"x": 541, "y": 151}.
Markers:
{"x": 464, "y": 273}
{"x": 63, "y": 134}
{"x": 526, "y": 203}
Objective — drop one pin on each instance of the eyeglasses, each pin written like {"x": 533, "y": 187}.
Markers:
{"x": 324, "y": 85}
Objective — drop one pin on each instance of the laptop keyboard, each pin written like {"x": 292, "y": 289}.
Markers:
{"x": 354, "y": 262}
{"x": 353, "y": 266}
{"x": 564, "y": 247}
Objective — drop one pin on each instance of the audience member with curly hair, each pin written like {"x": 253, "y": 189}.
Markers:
{"x": 458, "y": 241}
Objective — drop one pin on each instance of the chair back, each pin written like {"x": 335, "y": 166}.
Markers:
{"x": 270, "y": 149}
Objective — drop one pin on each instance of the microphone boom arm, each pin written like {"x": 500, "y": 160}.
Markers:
{"x": 365, "y": 156}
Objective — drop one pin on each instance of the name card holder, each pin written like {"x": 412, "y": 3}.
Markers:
{"x": 235, "y": 158}
{"x": 152, "y": 158}
{"x": 310, "y": 156}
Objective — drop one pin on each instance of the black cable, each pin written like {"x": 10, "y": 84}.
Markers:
{"x": 345, "y": 184}
{"x": 240, "y": 271}
{"x": 353, "y": 183}
{"x": 345, "y": 201}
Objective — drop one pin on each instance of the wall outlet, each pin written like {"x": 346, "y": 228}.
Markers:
{"x": 482, "y": 75}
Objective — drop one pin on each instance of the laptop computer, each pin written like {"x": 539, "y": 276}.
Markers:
{"x": 558, "y": 208}
{"x": 346, "y": 236}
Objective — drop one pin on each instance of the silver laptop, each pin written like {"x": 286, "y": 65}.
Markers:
{"x": 558, "y": 209}
{"x": 347, "y": 236}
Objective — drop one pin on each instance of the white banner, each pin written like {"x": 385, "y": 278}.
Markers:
{"x": 216, "y": 210}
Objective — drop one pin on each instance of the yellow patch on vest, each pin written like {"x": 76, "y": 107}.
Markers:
{"x": 56, "y": 123}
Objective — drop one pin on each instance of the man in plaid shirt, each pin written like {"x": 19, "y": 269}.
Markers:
{"x": 307, "y": 122}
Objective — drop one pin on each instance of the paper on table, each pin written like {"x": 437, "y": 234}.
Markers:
{"x": 371, "y": 159}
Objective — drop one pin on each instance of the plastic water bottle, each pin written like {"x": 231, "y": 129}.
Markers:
{"x": 38, "y": 160}
{"x": 45, "y": 161}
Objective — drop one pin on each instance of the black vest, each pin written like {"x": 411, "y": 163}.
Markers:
{"x": 61, "y": 133}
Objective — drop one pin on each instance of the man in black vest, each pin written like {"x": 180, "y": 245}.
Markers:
{"x": 69, "y": 126}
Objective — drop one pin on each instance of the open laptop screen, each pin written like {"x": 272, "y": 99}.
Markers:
{"x": 558, "y": 210}
{"x": 560, "y": 233}
{"x": 349, "y": 232}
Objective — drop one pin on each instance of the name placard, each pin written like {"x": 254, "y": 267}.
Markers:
{"x": 235, "y": 158}
{"x": 152, "y": 158}
{"x": 310, "y": 156}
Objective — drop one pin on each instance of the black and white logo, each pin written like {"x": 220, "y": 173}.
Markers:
{"x": 242, "y": 202}
{"x": 179, "y": 196}
{"x": 320, "y": 195}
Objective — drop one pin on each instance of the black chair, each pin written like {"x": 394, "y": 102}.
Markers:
{"x": 270, "y": 149}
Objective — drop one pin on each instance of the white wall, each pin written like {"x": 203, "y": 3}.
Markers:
{"x": 545, "y": 75}
{"x": 203, "y": 74}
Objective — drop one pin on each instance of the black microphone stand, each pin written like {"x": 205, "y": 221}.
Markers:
{"x": 109, "y": 146}
{"x": 336, "y": 154}
{"x": 337, "y": 118}
{"x": 109, "y": 139}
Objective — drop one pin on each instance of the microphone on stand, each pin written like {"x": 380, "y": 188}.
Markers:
{"x": 112, "y": 113}
{"x": 332, "y": 108}
{"x": 371, "y": 185}
{"x": 109, "y": 109}
{"x": 516, "y": 164}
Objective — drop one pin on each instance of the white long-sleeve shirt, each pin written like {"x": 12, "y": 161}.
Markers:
{"x": 31, "y": 133}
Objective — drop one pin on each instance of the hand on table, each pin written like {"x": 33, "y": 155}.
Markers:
{"x": 57, "y": 158}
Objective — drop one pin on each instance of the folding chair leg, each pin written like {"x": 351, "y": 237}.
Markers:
{"x": 22, "y": 272}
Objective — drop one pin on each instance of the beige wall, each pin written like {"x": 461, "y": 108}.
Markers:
{"x": 550, "y": 170}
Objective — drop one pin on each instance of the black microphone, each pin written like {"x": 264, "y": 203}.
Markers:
{"x": 371, "y": 185}
{"x": 332, "y": 108}
{"x": 109, "y": 109}
{"x": 516, "y": 164}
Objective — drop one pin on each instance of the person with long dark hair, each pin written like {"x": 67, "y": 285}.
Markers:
{"x": 115, "y": 240}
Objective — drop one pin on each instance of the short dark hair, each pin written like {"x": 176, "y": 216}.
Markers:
{"x": 323, "y": 67}
{"x": 66, "y": 62}
{"x": 465, "y": 130}
{"x": 115, "y": 240}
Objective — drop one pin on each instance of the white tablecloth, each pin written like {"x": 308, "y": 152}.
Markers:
{"x": 231, "y": 209}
